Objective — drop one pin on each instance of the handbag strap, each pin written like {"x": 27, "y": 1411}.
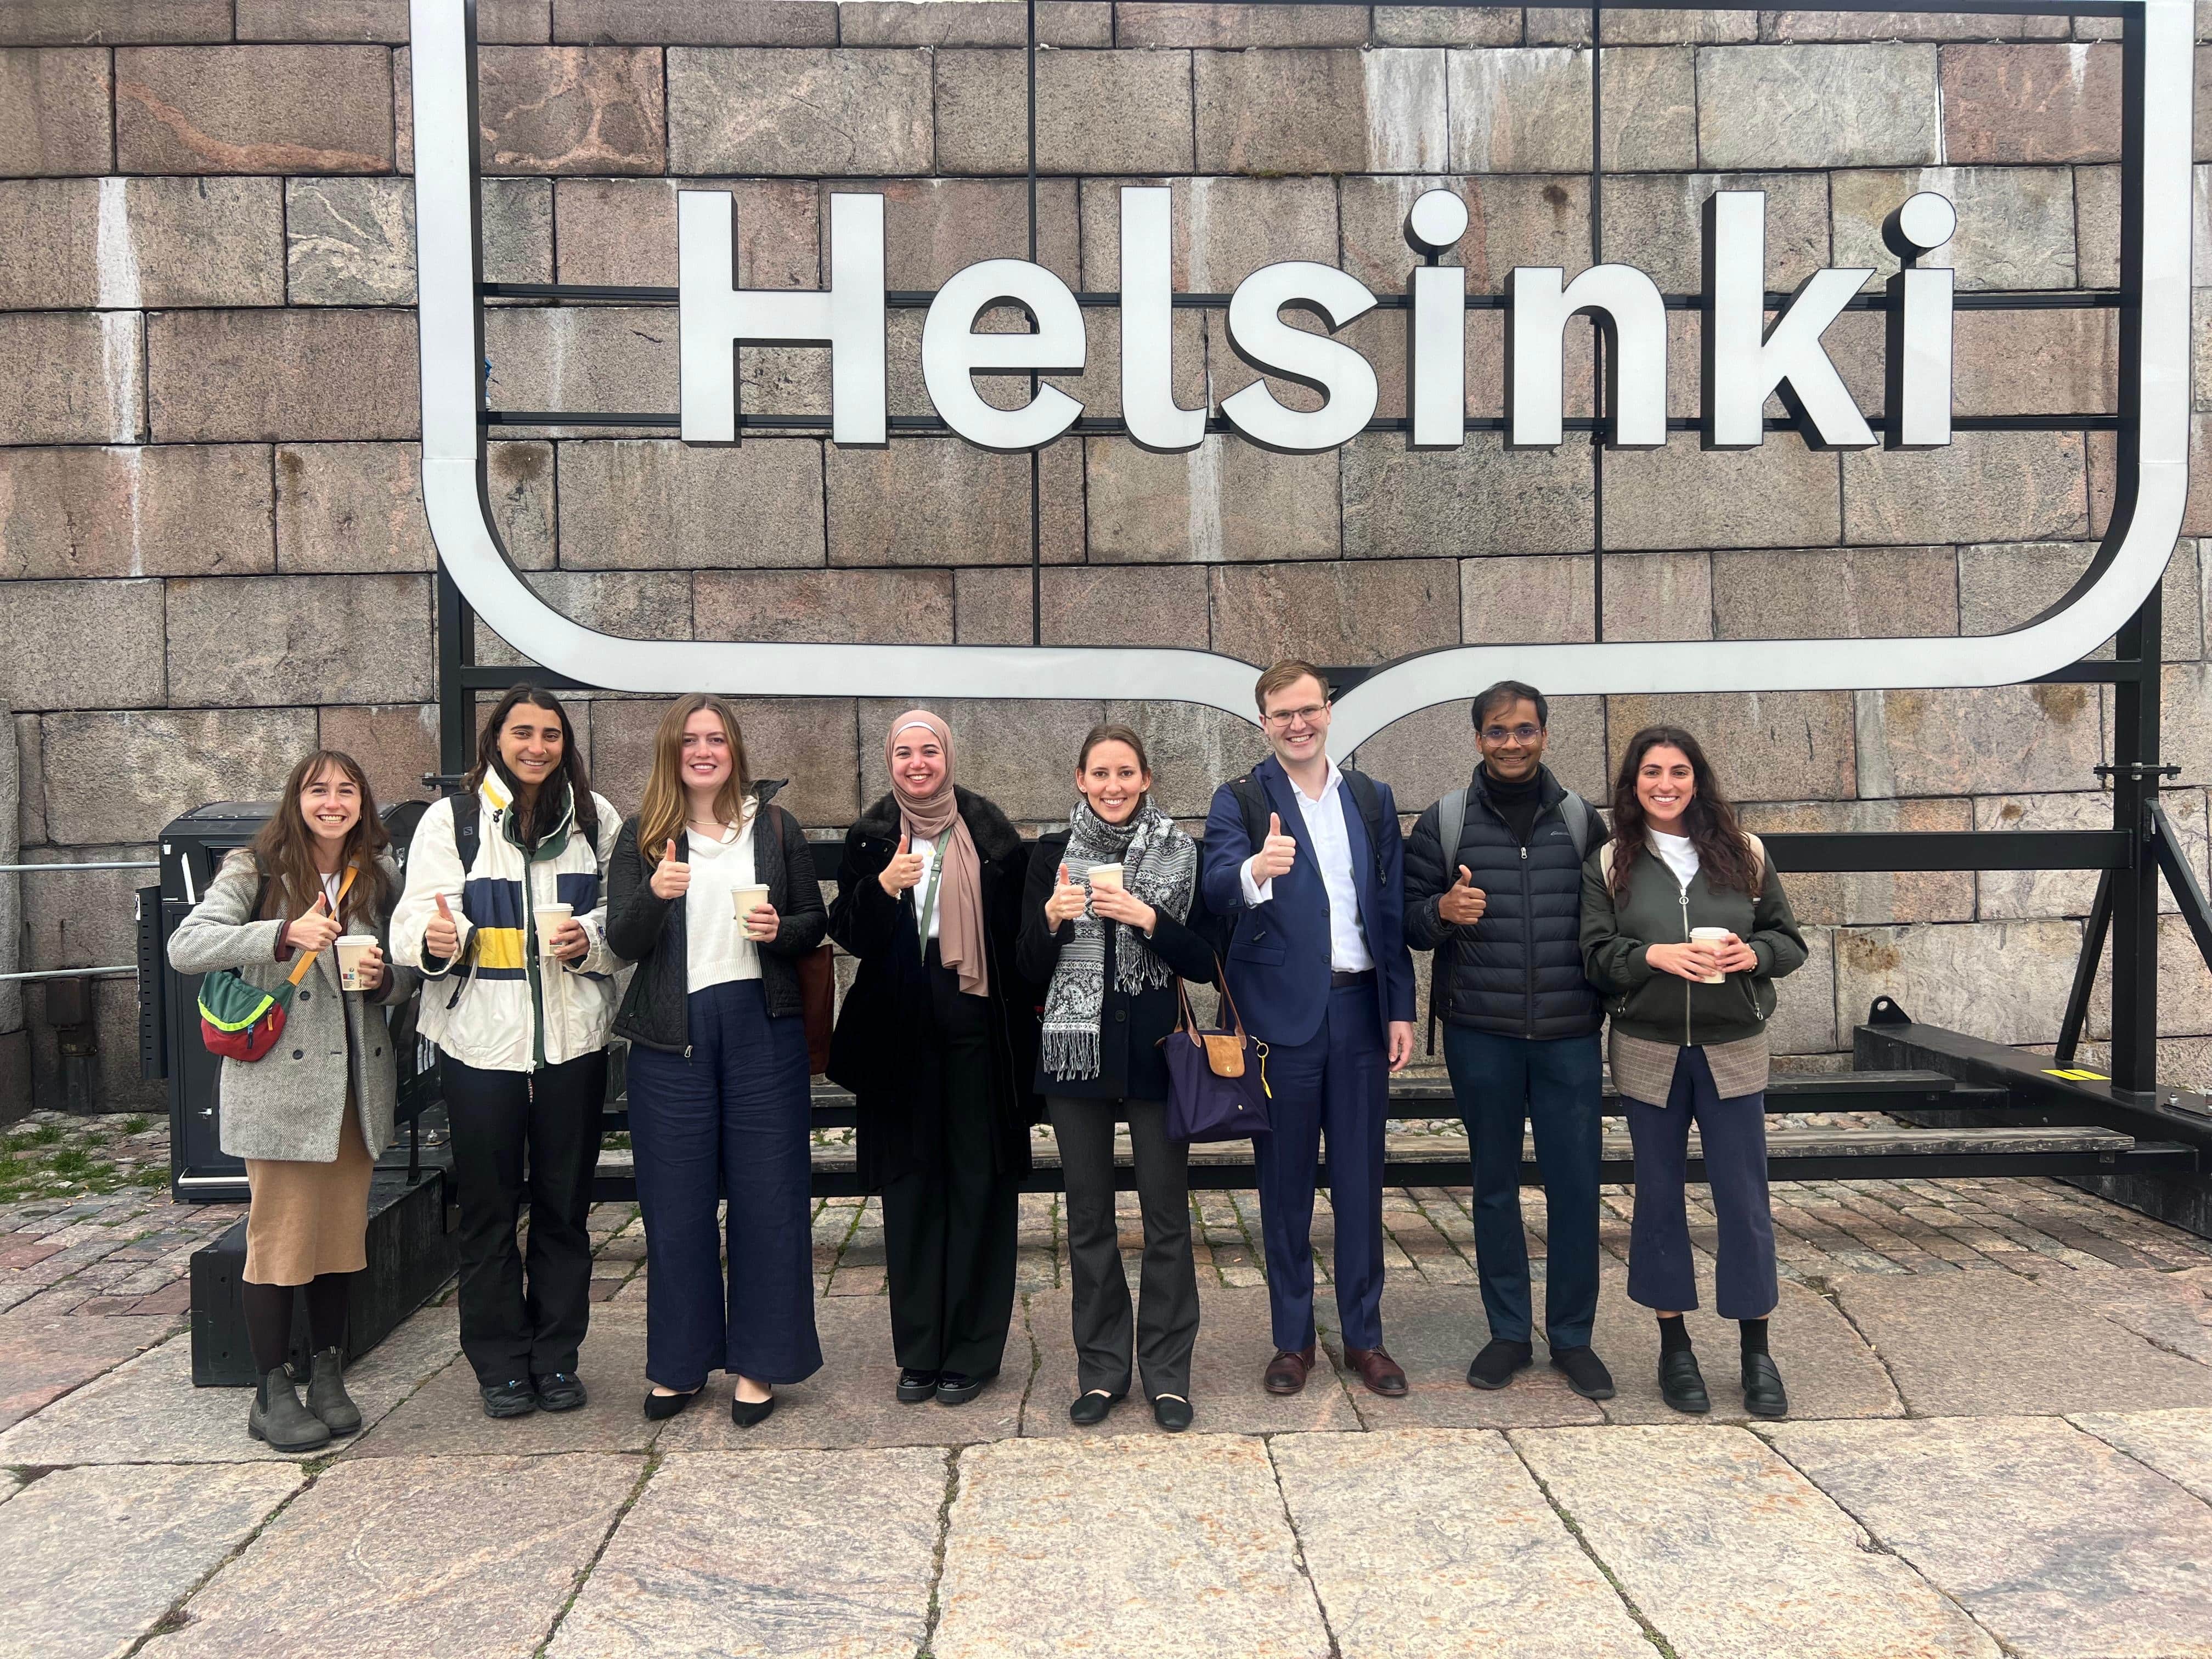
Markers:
{"x": 1190, "y": 1015}
{"x": 308, "y": 958}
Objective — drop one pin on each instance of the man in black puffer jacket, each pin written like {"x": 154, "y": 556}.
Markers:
{"x": 1501, "y": 910}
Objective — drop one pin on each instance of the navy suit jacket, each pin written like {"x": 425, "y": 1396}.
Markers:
{"x": 1279, "y": 955}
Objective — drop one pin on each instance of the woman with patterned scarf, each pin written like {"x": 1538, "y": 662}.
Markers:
{"x": 1108, "y": 919}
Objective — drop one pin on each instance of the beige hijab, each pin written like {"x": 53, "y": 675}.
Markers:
{"x": 960, "y": 886}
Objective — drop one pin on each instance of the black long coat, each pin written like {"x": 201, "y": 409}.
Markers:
{"x": 883, "y": 1050}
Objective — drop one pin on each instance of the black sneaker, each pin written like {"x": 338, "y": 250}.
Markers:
{"x": 1494, "y": 1366}
{"x": 511, "y": 1399}
{"x": 1585, "y": 1372}
{"x": 957, "y": 1387}
{"x": 559, "y": 1391}
{"x": 916, "y": 1385}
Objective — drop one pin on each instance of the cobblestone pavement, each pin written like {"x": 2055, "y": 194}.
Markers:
{"x": 2000, "y": 1443}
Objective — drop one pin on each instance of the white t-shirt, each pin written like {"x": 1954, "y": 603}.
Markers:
{"x": 716, "y": 949}
{"x": 1679, "y": 852}
{"x": 927, "y": 849}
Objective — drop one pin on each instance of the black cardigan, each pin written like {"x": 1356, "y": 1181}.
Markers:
{"x": 646, "y": 929}
{"x": 885, "y": 1048}
{"x": 1130, "y": 1064}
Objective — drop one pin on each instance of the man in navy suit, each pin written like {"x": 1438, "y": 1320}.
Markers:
{"x": 1319, "y": 968}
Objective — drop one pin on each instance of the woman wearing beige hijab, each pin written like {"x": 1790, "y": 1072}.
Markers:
{"x": 938, "y": 1041}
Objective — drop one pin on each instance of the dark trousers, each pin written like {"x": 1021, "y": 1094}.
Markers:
{"x": 1661, "y": 1270}
{"x": 1166, "y": 1324}
{"x": 1556, "y": 1085}
{"x": 949, "y": 1226}
{"x": 731, "y": 1120}
{"x": 1337, "y": 1084}
{"x": 518, "y": 1134}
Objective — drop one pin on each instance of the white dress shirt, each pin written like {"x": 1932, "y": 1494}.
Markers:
{"x": 1330, "y": 841}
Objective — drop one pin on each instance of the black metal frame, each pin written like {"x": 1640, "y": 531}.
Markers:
{"x": 2128, "y": 857}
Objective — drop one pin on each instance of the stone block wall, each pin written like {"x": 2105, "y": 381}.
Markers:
{"x": 214, "y": 551}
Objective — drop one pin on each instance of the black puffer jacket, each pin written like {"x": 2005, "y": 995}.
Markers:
{"x": 1517, "y": 972}
{"x": 649, "y": 930}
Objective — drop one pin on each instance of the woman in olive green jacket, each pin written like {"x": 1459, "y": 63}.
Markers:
{"x": 1685, "y": 930}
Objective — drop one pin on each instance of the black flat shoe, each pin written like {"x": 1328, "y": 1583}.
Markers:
{"x": 1763, "y": 1393}
{"x": 747, "y": 1413}
{"x": 1681, "y": 1384}
{"x": 1585, "y": 1372}
{"x": 1172, "y": 1413}
{"x": 957, "y": 1387}
{"x": 660, "y": 1408}
{"x": 915, "y": 1387}
{"x": 559, "y": 1391}
{"x": 512, "y": 1398}
{"x": 1500, "y": 1358}
{"x": 1091, "y": 1408}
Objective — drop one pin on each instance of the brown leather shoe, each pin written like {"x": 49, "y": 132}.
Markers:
{"x": 1286, "y": 1371}
{"x": 1382, "y": 1374}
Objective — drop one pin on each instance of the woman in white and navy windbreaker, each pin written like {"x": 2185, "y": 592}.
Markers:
{"x": 518, "y": 1002}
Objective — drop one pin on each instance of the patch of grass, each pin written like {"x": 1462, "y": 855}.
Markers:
{"x": 44, "y": 1134}
{"x": 136, "y": 1125}
{"x": 72, "y": 1161}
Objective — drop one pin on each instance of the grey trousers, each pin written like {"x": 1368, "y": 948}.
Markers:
{"x": 1166, "y": 1324}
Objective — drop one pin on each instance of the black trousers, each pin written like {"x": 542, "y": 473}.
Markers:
{"x": 949, "y": 1226}
{"x": 1166, "y": 1322}
{"x": 518, "y": 1135}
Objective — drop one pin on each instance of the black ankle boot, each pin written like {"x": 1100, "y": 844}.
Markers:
{"x": 326, "y": 1393}
{"x": 278, "y": 1417}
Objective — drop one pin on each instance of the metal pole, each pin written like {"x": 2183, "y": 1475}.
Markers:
{"x": 2095, "y": 931}
{"x": 456, "y": 651}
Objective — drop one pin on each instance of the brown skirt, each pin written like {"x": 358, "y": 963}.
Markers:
{"x": 309, "y": 1219}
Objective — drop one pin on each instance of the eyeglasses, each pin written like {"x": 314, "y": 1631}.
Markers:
{"x": 1519, "y": 733}
{"x": 1310, "y": 712}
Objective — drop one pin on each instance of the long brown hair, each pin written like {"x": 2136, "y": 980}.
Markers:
{"x": 1113, "y": 731}
{"x": 1723, "y": 855}
{"x": 662, "y": 813}
{"x": 571, "y": 769}
{"x": 284, "y": 851}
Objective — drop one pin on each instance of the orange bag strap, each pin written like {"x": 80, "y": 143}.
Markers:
{"x": 308, "y": 958}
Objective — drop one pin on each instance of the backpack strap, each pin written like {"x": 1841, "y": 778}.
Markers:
{"x": 468, "y": 833}
{"x": 1370, "y": 812}
{"x": 1576, "y": 811}
{"x": 1252, "y": 798}
{"x": 1605, "y": 860}
{"x": 1451, "y": 821}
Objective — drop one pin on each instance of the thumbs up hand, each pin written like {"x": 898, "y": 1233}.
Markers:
{"x": 1067, "y": 902}
{"x": 1463, "y": 902}
{"x": 671, "y": 879}
{"x": 904, "y": 869}
{"x": 1276, "y": 853}
{"x": 315, "y": 930}
{"x": 441, "y": 936}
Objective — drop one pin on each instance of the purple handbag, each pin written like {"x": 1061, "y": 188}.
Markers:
{"x": 1217, "y": 1080}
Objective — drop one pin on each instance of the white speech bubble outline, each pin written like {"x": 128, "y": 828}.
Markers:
{"x": 2146, "y": 519}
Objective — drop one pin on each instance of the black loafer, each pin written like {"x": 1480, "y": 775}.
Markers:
{"x": 1494, "y": 1366}
{"x": 559, "y": 1391}
{"x": 915, "y": 1386}
{"x": 512, "y": 1398}
{"x": 1172, "y": 1413}
{"x": 1763, "y": 1393}
{"x": 1681, "y": 1384}
{"x": 660, "y": 1408}
{"x": 1585, "y": 1372}
{"x": 957, "y": 1387}
{"x": 1092, "y": 1407}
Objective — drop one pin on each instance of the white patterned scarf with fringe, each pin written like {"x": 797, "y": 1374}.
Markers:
{"x": 1159, "y": 864}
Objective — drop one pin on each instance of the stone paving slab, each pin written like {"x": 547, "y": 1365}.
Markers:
{"x": 1433, "y": 1331}
{"x": 92, "y": 1558}
{"x": 10, "y": 1484}
{"x": 1233, "y": 1349}
{"x": 2058, "y": 1544}
{"x": 148, "y": 1411}
{"x": 2170, "y": 1309}
{"x": 445, "y": 1417}
{"x": 396, "y": 1556}
{"x": 2177, "y": 1444}
{"x": 787, "y": 1555}
{"x": 1826, "y": 1366}
{"x": 1731, "y": 1553}
{"x": 1962, "y": 1345}
{"x": 1427, "y": 1544}
{"x": 42, "y": 1358}
{"x": 852, "y": 1401}
{"x": 1163, "y": 1547}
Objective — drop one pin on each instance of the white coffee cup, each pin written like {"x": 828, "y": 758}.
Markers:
{"x": 1105, "y": 875}
{"x": 1713, "y": 936}
{"x": 746, "y": 899}
{"x": 352, "y": 948}
{"x": 550, "y": 918}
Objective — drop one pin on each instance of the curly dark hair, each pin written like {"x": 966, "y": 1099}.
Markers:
{"x": 1724, "y": 857}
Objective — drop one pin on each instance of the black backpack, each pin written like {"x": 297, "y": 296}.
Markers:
{"x": 1252, "y": 797}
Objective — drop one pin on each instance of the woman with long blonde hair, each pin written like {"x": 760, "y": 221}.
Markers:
{"x": 714, "y": 896}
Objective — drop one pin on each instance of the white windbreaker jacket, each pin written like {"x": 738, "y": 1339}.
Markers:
{"x": 477, "y": 1007}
